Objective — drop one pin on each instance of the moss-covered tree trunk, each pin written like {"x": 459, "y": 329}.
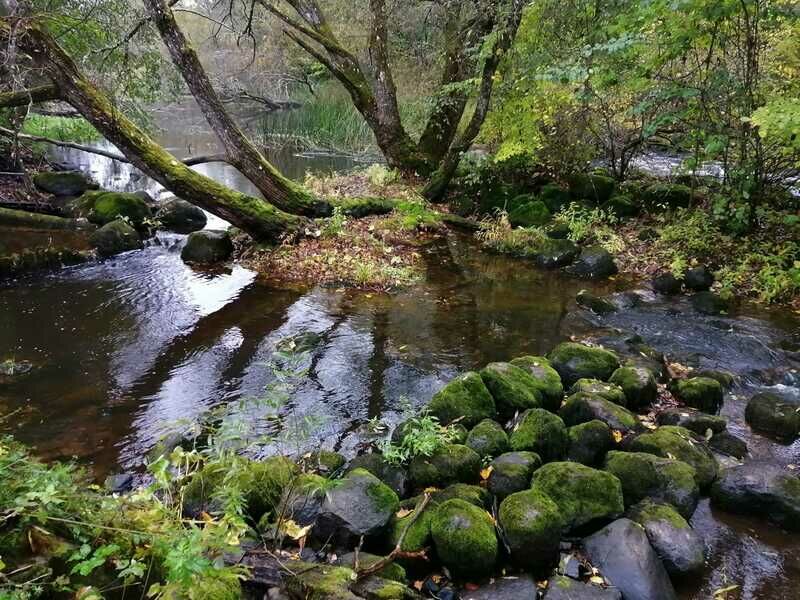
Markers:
{"x": 242, "y": 153}
{"x": 257, "y": 217}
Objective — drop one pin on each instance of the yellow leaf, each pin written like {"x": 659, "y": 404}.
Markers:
{"x": 486, "y": 472}
{"x": 430, "y": 490}
{"x": 403, "y": 512}
{"x": 617, "y": 435}
{"x": 597, "y": 580}
{"x": 293, "y": 530}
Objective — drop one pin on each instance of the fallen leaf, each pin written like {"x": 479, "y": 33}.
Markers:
{"x": 403, "y": 512}
{"x": 293, "y": 530}
{"x": 617, "y": 435}
{"x": 486, "y": 472}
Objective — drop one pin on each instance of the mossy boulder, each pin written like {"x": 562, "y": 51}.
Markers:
{"x": 556, "y": 253}
{"x": 560, "y": 587}
{"x": 474, "y": 494}
{"x": 583, "y": 495}
{"x": 728, "y": 444}
{"x": 554, "y": 197}
{"x": 709, "y": 303}
{"x": 391, "y": 572}
{"x": 582, "y": 408}
{"x": 392, "y": 475}
{"x": 589, "y": 442}
{"x": 638, "y": 384}
{"x": 594, "y": 263}
{"x": 698, "y": 279}
{"x": 319, "y": 581}
{"x": 670, "y": 441}
{"x": 466, "y": 399}
{"x": 645, "y": 476}
{"x": 418, "y": 536}
{"x": 530, "y": 214}
{"x": 596, "y": 304}
{"x": 667, "y": 196}
{"x": 323, "y": 462}
{"x": 262, "y": 484}
{"x": 511, "y": 472}
{"x": 207, "y": 246}
{"x": 63, "y": 183}
{"x": 361, "y": 505}
{"x": 667, "y": 284}
{"x": 513, "y": 389}
{"x": 452, "y": 463}
{"x": 760, "y": 489}
{"x": 301, "y": 501}
{"x": 676, "y": 543}
{"x": 464, "y": 537}
{"x": 621, "y": 206}
{"x": 531, "y": 524}
{"x": 609, "y": 391}
{"x": 577, "y": 361}
{"x": 540, "y": 431}
{"x": 181, "y": 216}
{"x": 594, "y": 188}
{"x": 109, "y": 206}
{"x": 693, "y": 420}
{"x": 702, "y": 393}
{"x": 114, "y": 238}
{"x": 546, "y": 379}
{"x": 775, "y": 416}
{"x": 488, "y": 439}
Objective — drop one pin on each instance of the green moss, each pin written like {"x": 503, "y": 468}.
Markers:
{"x": 546, "y": 379}
{"x": 542, "y": 432}
{"x": 473, "y": 494}
{"x": 554, "y": 197}
{"x": 381, "y": 494}
{"x": 647, "y": 511}
{"x": 362, "y": 207}
{"x": 450, "y": 464}
{"x": 513, "y": 389}
{"x": 466, "y": 399}
{"x": 530, "y": 214}
{"x": 589, "y": 442}
{"x": 65, "y": 183}
{"x": 110, "y": 206}
{"x": 702, "y": 393}
{"x": 679, "y": 443}
{"x": 532, "y": 524}
{"x": 21, "y": 218}
{"x": 610, "y": 391}
{"x": 319, "y": 581}
{"x": 511, "y": 472}
{"x": 577, "y": 361}
{"x": 419, "y": 532}
{"x": 638, "y": 385}
{"x": 581, "y": 408}
{"x": 583, "y": 494}
{"x": 115, "y": 237}
{"x": 465, "y": 540}
{"x": 597, "y": 189}
{"x": 488, "y": 439}
{"x": 391, "y": 572}
{"x": 324, "y": 462}
{"x": 667, "y": 196}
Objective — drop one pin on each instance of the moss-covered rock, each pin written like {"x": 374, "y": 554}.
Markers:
{"x": 670, "y": 441}
{"x": 594, "y": 188}
{"x": 323, "y": 462}
{"x": 109, "y": 206}
{"x": 582, "y": 494}
{"x": 609, "y": 391}
{"x": 531, "y": 524}
{"x": 114, "y": 238}
{"x": 63, "y": 183}
{"x": 646, "y": 476}
{"x": 596, "y": 304}
{"x": 319, "y": 581}
{"x": 709, "y": 303}
{"x": 262, "y": 484}
{"x": 576, "y": 361}
{"x": 181, "y": 216}
{"x": 555, "y": 253}
{"x": 693, "y": 420}
{"x": 698, "y": 279}
{"x": 589, "y": 442}
{"x": 464, "y": 538}
{"x": 667, "y": 284}
{"x": 207, "y": 246}
{"x": 774, "y": 415}
{"x": 667, "y": 196}
{"x": 530, "y": 214}
{"x": 465, "y": 398}
{"x": 450, "y": 464}
{"x": 728, "y": 444}
{"x": 361, "y": 505}
{"x": 300, "y": 502}
{"x": 392, "y": 571}
{"x": 488, "y": 439}
{"x": 594, "y": 263}
{"x": 511, "y": 472}
{"x": 513, "y": 389}
{"x": 540, "y": 431}
{"x": 474, "y": 494}
{"x": 392, "y": 475}
{"x": 546, "y": 379}
{"x": 554, "y": 196}
{"x": 702, "y": 393}
{"x": 677, "y": 545}
{"x": 622, "y": 206}
{"x": 582, "y": 408}
{"x": 638, "y": 384}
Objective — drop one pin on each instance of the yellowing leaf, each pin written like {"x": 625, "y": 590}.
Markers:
{"x": 403, "y": 512}
{"x": 293, "y": 530}
{"x": 597, "y": 580}
{"x": 617, "y": 435}
{"x": 486, "y": 472}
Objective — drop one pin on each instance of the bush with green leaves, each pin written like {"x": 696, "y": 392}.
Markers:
{"x": 591, "y": 225}
{"x": 422, "y": 436}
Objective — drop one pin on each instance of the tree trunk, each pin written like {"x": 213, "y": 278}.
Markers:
{"x": 35, "y": 95}
{"x": 255, "y": 216}
{"x": 277, "y": 189}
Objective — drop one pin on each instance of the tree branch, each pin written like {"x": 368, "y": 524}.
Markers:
{"x": 43, "y": 93}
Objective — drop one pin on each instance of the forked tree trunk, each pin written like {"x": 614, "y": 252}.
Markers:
{"x": 242, "y": 153}
{"x": 257, "y": 217}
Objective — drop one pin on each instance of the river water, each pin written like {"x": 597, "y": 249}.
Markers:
{"x": 140, "y": 346}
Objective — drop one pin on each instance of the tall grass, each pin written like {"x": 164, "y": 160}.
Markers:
{"x": 66, "y": 129}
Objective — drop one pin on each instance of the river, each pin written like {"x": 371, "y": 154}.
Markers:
{"x": 133, "y": 348}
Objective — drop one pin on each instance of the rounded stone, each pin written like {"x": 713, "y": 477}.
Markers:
{"x": 464, "y": 537}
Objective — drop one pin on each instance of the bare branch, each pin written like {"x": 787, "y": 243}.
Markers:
{"x": 43, "y": 93}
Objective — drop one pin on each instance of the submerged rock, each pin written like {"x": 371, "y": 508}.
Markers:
{"x": 645, "y": 476}
{"x": 531, "y": 524}
{"x": 596, "y": 304}
{"x": 703, "y": 393}
{"x": 556, "y": 253}
{"x": 511, "y": 472}
{"x": 589, "y": 442}
{"x": 207, "y": 246}
{"x": 625, "y": 557}
{"x": 676, "y": 543}
{"x": 577, "y": 361}
{"x": 582, "y": 408}
{"x": 180, "y": 216}
{"x": 726, "y": 443}
{"x": 361, "y": 505}
{"x": 114, "y": 238}
{"x": 513, "y": 389}
{"x": 465, "y": 398}
{"x": 670, "y": 441}
{"x": 564, "y": 588}
{"x": 449, "y": 464}
{"x": 760, "y": 489}
{"x": 488, "y": 439}
{"x": 594, "y": 262}
{"x": 63, "y": 183}
{"x": 540, "y": 431}
{"x": 582, "y": 494}
{"x": 546, "y": 379}
{"x": 774, "y": 416}
{"x": 464, "y": 538}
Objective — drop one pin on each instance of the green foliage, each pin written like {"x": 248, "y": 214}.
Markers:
{"x": 497, "y": 234}
{"x": 381, "y": 176}
{"x": 334, "y": 225}
{"x": 413, "y": 215}
{"x": 422, "y": 436}
{"x": 60, "y": 128}
{"x": 591, "y": 225}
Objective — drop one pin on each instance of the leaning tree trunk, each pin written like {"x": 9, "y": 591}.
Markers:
{"x": 257, "y": 217}
{"x": 242, "y": 153}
